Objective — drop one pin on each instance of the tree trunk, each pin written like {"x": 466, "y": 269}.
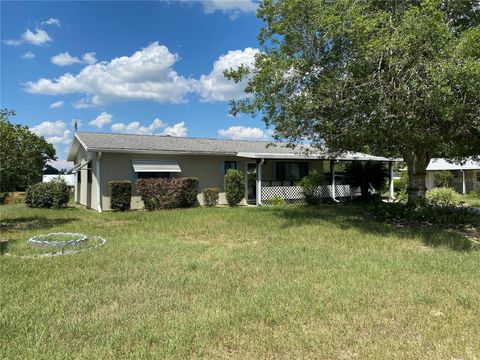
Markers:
{"x": 417, "y": 162}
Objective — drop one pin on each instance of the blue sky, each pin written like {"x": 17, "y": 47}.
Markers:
{"x": 132, "y": 67}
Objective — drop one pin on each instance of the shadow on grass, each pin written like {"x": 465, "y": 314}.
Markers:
{"x": 4, "y": 245}
{"x": 345, "y": 217}
{"x": 32, "y": 223}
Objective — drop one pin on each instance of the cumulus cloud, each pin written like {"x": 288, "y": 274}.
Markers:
{"x": 56, "y": 104}
{"x": 232, "y": 7}
{"x": 38, "y": 38}
{"x": 51, "y": 21}
{"x": 101, "y": 120}
{"x": 145, "y": 75}
{"x": 216, "y": 87}
{"x": 65, "y": 58}
{"x": 178, "y": 129}
{"x": 134, "y": 127}
{"x": 242, "y": 133}
{"x": 28, "y": 55}
{"x": 55, "y": 132}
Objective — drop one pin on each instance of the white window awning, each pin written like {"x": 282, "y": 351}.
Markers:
{"x": 156, "y": 166}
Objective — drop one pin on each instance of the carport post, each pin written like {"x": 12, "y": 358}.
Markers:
{"x": 258, "y": 184}
{"x": 390, "y": 178}
{"x": 464, "y": 185}
{"x": 332, "y": 173}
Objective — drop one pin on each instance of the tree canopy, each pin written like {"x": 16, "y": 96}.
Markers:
{"x": 23, "y": 154}
{"x": 399, "y": 78}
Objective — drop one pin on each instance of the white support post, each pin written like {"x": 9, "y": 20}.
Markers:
{"x": 258, "y": 199}
{"x": 390, "y": 182}
{"x": 97, "y": 176}
{"x": 464, "y": 185}
{"x": 332, "y": 173}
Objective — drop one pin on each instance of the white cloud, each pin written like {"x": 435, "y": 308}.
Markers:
{"x": 243, "y": 133}
{"x": 145, "y": 75}
{"x": 51, "y": 21}
{"x": 39, "y": 37}
{"x": 178, "y": 129}
{"x": 61, "y": 164}
{"x": 65, "y": 58}
{"x": 55, "y": 132}
{"x": 101, "y": 120}
{"x": 232, "y": 7}
{"x": 135, "y": 127}
{"x": 28, "y": 55}
{"x": 216, "y": 87}
{"x": 56, "y": 104}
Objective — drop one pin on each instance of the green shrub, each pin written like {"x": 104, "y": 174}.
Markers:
{"x": 190, "y": 191}
{"x": 422, "y": 211}
{"x": 472, "y": 195}
{"x": 167, "y": 193}
{"x": 443, "y": 178}
{"x": 210, "y": 196}
{"x": 120, "y": 194}
{"x": 276, "y": 201}
{"x": 234, "y": 187}
{"x": 47, "y": 195}
{"x": 443, "y": 196}
{"x": 310, "y": 187}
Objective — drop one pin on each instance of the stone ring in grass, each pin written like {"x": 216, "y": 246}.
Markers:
{"x": 60, "y": 239}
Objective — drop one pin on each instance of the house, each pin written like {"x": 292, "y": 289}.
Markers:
{"x": 466, "y": 174}
{"x": 270, "y": 170}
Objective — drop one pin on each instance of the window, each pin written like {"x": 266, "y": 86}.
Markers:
{"x": 291, "y": 171}
{"x": 153, "y": 175}
{"x": 230, "y": 165}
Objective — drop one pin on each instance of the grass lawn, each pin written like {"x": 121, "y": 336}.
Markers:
{"x": 291, "y": 282}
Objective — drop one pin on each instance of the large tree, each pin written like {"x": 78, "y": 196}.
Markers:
{"x": 23, "y": 154}
{"x": 399, "y": 78}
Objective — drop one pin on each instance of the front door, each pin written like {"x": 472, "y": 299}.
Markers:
{"x": 251, "y": 182}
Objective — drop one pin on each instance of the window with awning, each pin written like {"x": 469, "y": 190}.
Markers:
{"x": 156, "y": 166}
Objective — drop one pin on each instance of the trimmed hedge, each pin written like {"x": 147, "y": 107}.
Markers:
{"x": 234, "y": 187}
{"x": 120, "y": 194}
{"x": 54, "y": 194}
{"x": 210, "y": 196}
{"x": 167, "y": 193}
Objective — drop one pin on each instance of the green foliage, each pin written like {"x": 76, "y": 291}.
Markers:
{"x": 399, "y": 77}
{"x": 365, "y": 173}
{"x": 276, "y": 201}
{"x": 310, "y": 187}
{"x": 210, "y": 196}
{"x": 120, "y": 194}
{"x": 54, "y": 194}
{"x": 23, "y": 155}
{"x": 443, "y": 196}
{"x": 473, "y": 195}
{"x": 443, "y": 178}
{"x": 167, "y": 193}
{"x": 424, "y": 212}
{"x": 234, "y": 187}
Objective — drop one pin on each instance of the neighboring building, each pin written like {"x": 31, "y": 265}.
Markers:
{"x": 270, "y": 169}
{"x": 467, "y": 174}
{"x": 69, "y": 178}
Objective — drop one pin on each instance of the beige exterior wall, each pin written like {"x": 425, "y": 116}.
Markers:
{"x": 472, "y": 182}
{"x": 208, "y": 170}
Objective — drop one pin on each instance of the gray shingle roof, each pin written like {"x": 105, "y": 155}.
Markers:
{"x": 126, "y": 142}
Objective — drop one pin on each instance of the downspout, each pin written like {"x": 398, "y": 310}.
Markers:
{"x": 259, "y": 182}
{"x": 97, "y": 176}
{"x": 464, "y": 185}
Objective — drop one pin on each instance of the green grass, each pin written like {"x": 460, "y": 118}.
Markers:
{"x": 284, "y": 282}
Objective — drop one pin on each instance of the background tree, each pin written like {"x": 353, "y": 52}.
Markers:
{"x": 394, "y": 77}
{"x": 23, "y": 155}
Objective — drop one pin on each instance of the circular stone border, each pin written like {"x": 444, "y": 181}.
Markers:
{"x": 35, "y": 241}
{"x": 102, "y": 242}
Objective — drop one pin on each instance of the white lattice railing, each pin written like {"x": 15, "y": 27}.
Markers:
{"x": 293, "y": 194}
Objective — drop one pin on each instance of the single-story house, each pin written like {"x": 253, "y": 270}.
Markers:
{"x": 466, "y": 174}
{"x": 270, "y": 169}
